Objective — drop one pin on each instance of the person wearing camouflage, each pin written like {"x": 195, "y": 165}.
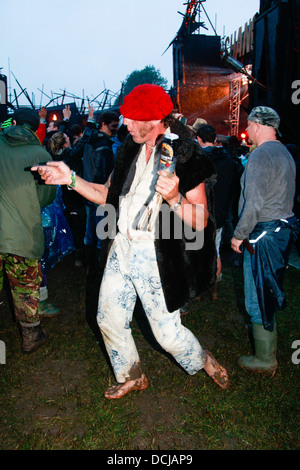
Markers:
{"x": 21, "y": 232}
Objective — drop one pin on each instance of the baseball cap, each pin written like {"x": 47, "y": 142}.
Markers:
{"x": 27, "y": 116}
{"x": 265, "y": 116}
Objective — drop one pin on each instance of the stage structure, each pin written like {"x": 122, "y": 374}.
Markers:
{"x": 203, "y": 86}
{"x": 276, "y": 63}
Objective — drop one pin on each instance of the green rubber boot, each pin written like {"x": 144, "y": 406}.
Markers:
{"x": 47, "y": 310}
{"x": 265, "y": 343}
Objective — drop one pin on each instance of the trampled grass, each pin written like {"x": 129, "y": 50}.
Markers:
{"x": 54, "y": 398}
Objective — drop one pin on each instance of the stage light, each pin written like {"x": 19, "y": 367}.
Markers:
{"x": 244, "y": 137}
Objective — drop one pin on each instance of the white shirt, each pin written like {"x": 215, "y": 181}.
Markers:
{"x": 134, "y": 203}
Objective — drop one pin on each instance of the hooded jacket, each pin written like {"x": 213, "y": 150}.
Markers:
{"x": 185, "y": 273}
{"x": 21, "y": 194}
{"x": 98, "y": 159}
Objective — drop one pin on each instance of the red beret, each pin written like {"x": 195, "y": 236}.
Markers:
{"x": 147, "y": 103}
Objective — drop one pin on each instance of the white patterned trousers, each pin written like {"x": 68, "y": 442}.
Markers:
{"x": 132, "y": 270}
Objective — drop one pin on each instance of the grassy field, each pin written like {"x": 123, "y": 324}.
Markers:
{"x": 54, "y": 399}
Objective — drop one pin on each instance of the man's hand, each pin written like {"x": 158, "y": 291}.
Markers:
{"x": 168, "y": 186}
{"x": 67, "y": 112}
{"x": 43, "y": 113}
{"x": 91, "y": 112}
{"x": 235, "y": 244}
{"x": 60, "y": 173}
{"x": 54, "y": 173}
{"x": 193, "y": 205}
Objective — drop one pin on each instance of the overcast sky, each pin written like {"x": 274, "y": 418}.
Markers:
{"x": 85, "y": 46}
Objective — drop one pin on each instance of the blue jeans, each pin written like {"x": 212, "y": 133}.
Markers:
{"x": 91, "y": 224}
{"x": 251, "y": 299}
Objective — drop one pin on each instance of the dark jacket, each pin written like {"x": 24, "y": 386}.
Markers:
{"x": 21, "y": 195}
{"x": 73, "y": 157}
{"x": 184, "y": 273}
{"x": 228, "y": 182}
{"x": 98, "y": 159}
{"x": 269, "y": 261}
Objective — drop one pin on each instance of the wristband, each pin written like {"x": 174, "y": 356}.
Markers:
{"x": 176, "y": 206}
{"x": 73, "y": 180}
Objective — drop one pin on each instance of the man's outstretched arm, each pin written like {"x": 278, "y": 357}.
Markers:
{"x": 59, "y": 173}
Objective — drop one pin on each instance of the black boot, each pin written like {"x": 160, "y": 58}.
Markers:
{"x": 79, "y": 258}
{"x": 214, "y": 290}
{"x": 89, "y": 256}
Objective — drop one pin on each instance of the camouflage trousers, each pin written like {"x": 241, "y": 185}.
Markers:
{"x": 24, "y": 276}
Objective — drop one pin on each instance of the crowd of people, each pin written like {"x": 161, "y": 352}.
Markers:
{"x": 116, "y": 163}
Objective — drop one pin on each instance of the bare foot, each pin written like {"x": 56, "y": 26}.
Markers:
{"x": 118, "y": 391}
{"x": 216, "y": 371}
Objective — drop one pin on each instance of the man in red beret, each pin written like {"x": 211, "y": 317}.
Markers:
{"x": 164, "y": 271}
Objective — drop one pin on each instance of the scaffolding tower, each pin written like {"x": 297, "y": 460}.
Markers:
{"x": 234, "y": 104}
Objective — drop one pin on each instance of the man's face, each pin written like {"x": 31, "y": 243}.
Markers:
{"x": 200, "y": 141}
{"x": 67, "y": 141}
{"x": 141, "y": 131}
{"x": 110, "y": 129}
{"x": 252, "y": 130}
{"x": 52, "y": 127}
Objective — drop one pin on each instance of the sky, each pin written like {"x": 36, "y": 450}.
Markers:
{"x": 87, "y": 46}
